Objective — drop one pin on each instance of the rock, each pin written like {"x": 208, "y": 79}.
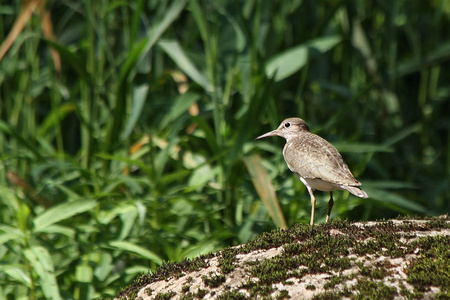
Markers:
{"x": 396, "y": 259}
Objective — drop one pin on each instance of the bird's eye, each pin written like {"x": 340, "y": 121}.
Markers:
{"x": 287, "y": 125}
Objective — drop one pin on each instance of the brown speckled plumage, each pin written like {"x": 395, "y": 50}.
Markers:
{"x": 315, "y": 161}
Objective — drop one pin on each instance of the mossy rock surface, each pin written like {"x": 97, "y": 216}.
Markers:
{"x": 396, "y": 259}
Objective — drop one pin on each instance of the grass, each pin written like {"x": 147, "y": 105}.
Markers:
{"x": 127, "y": 130}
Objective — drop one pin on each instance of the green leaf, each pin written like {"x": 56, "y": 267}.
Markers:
{"x": 287, "y": 63}
{"x": 69, "y": 56}
{"x": 62, "y": 212}
{"x": 263, "y": 185}
{"x": 126, "y": 160}
{"x": 55, "y": 118}
{"x": 7, "y": 129}
{"x": 174, "y": 50}
{"x": 84, "y": 274}
{"x": 362, "y": 147}
{"x": 41, "y": 262}
{"x": 17, "y": 273}
{"x": 138, "y": 101}
{"x": 180, "y": 106}
{"x": 392, "y": 199}
{"x": 130, "y": 247}
{"x": 136, "y": 54}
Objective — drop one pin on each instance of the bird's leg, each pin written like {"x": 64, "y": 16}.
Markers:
{"x": 330, "y": 206}
{"x": 313, "y": 204}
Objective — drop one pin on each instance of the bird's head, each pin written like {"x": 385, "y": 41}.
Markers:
{"x": 288, "y": 128}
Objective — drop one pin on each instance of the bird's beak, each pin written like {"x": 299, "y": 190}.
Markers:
{"x": 272, "y": 133}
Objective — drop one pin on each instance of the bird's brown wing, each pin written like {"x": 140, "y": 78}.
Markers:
{"x": 311, "y": 156}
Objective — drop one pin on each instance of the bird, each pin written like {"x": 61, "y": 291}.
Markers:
{"x": 316, "y": 162}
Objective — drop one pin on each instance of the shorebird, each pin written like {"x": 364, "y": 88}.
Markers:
{"x": 316, "y": 162}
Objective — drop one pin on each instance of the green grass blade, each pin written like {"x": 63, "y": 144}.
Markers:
{"x": 70, "y": 57}
{"x": 287, "y": 63}
{"x": 174, "y": 50}
{"x": 138, "y": 100}
{"x": 362, "y": 147}
{"x": 264, "y": 188}
{"x": 41, "y": 262}
{"x": 130, "y": 247}
{"x": 137, "y": 53}
{"x": 54, "y": 118}
{"x": 7, "y": 129}
{"x": 62, "y": 212}
{"x": 180, "y": 106}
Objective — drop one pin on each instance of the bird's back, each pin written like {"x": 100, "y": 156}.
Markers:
{"x": 312, "y": 157}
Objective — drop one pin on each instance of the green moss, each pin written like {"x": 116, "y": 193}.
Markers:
{"x": 164, "y": 296}
{"x": 283, "y": 295}
{"x": 213, "y": 280}
{"x": 187, "y": 296}
{"x": 432, "y": 268}
{"x": 226, "y": 260}
{"x": 311, "y": 287}
{"x": 201, "y": 293}
{"x": 368, "y": 289}
{"x": 148, "y": 291}
{"x": 185, "y": 288}
{"x": 373, "y": 272}
{"x": 234, "y": 294}
{"x": 327, "y": 296}
{"x": 258, "y": 289}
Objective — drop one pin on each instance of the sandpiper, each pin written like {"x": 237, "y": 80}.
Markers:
{"x": 316, "y": 162}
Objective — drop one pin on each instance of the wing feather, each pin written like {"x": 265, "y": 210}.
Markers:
{"x": 311, "y": 156}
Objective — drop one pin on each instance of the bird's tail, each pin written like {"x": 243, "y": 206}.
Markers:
{"x": 358, "y": 192}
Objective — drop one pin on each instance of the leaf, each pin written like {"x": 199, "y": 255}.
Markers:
{"x": 263, "y": 185}
{"x": 181, "y": 105}
{"x": 62, "y": 212}
{"x": 70, "y": 57}
{"x": 41, "y": 262}
{"x": 7, "y": 129}
{"x": 174, "y": 50}
{"x": 136, "y": 54}
{"x": 389, "y": 198}
{"x": 138, "y": 101}
{"x": 17, "y": 273}
{"x": 287, "y": 63}
{"x": 126, "y": 160}
{"x": 130, "y": 247}
{"x": 54, "y": 118}
{"x": 362, "y": 147}
{"x": 139, "y": 51}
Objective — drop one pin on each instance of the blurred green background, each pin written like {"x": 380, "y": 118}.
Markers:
{"x": 127, "y": 127}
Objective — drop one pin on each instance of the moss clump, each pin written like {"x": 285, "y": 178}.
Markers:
{"x": 227, "y": 259}
{"x": 164, "y": 296}
{"x": 185, "y": 288}
{"x": 213, "y": 280}
{"x": 373, "y": 272}
{"x": 234, "y": 294}
{"x": 258, "y": 289}
{"x": 283, "y": 295}
{"x": 201, "y": 293}
{"x": 327, "y": 296}
{"x": 432, "y": 268}
{"x": 368, "y": 289}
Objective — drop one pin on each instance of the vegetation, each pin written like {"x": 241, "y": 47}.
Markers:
{"x": 127, "y": 129}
